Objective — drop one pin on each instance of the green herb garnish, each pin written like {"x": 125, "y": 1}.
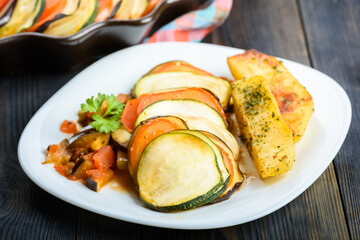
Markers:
{"x": 108, "y": 121}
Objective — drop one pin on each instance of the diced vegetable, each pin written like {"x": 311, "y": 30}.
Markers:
{"x": 68, "y": 127}
{"x": 62, "y": 169}
{"x": 84, "y": 164}
{"x": 121, "y": 160}
{"x": 98, "y": 178}
{"x": 89, "y": 138}
{"x": 134, "y": 107}
{"x": 145, "y": 133}
{"x": 168, "y": 80}
{"x": 267, "y": 137}
{"x": 181, "y": 108}
{"x": 177, "y": 172}
{"x": 121, "y": 136}
{"x": 58, "y": 154}
{"x": 104, "y": 158}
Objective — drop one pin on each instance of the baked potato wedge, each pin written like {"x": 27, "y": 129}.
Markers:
{"x": 263, "y": 130}
{"x": 295, "y": 103}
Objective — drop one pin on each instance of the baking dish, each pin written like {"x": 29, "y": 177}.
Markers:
{"x": 42, "y": 52}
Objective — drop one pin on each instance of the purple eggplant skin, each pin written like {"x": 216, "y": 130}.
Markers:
{"x": 113, "y": 12}
{"x": 93, "y": 185}
{"x": 8, "y": 12}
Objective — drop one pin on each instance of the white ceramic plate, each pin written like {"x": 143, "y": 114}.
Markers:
{"x": 118, "y": 72}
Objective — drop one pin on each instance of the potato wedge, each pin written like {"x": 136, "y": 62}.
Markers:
{"x": 265, "y": 133}
{"x": 295, "y": 102}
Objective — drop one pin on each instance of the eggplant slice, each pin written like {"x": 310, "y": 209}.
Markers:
{"x": 89, "y": 139}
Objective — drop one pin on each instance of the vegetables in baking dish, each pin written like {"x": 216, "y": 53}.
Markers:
{"x": 66, "y": 17}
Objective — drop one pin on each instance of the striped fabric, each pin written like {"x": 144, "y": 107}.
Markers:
{"x": 194, "y": 26}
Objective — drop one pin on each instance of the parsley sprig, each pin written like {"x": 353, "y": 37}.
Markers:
{"x": 108, "y": 121}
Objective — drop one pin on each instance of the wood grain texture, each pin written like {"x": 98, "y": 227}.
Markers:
{"x": 274, "y": 27}
{"x": 333, "y": 35}
{"x": 26, "y": 211}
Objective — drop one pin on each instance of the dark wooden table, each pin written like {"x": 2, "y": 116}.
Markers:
{"x": 324, "y": 34}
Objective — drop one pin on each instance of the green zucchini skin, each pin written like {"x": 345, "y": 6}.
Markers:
{"x": 93, "y": 16}
{"x": 171, "y": 107}
{"x": 205, "y": 198}
{"x": 73, "y": 22}
{"x": 24, "y": 14}
{"x": 41, "y": 10}
{"x": 196, "y": 202}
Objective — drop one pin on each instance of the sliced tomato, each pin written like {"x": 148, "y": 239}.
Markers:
{"x": 3, "y": 3}
{"x": 150, "y": 7}
{"x": 105, "y": 9}
{"x": 145, "y": 133}
{"x": 134, "y": 107}
{"x": 130, "y": 114}
{"x": 178, "y": 66}
{"x": 52, "y": 8}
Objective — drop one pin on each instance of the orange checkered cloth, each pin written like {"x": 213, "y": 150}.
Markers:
{"x": 194, "y": 26}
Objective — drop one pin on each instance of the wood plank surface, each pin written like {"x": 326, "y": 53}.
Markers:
{"x": 26, "y": 211}
{"x": 317, "y": 213}
{"x": 333, "y": 34}
{"x": 279, "y": 27}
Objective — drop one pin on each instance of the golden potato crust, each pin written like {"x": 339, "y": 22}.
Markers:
{"x": 266, "y": 135}
{"x": 295, "y": 103}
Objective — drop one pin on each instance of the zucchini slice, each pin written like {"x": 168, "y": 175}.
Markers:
{"x": 70, "y": 7}
{"x": 238, "y": 178}
{"x": 178, "y": 171}
{"x": 146, "y": 132}
{"x": 131, "y": 9}
{"x": 181, "y": 108}
{"x": 24, "y": 15}
{"x": 220, "y": 160}
{"x": 204, "y": 124}
{"x": 84, "y": 15}
{"x": 168, "y": 80}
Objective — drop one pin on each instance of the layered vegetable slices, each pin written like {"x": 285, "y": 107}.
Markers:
{"x": 66, "y": 17}
{"x": 174, "y": 142}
